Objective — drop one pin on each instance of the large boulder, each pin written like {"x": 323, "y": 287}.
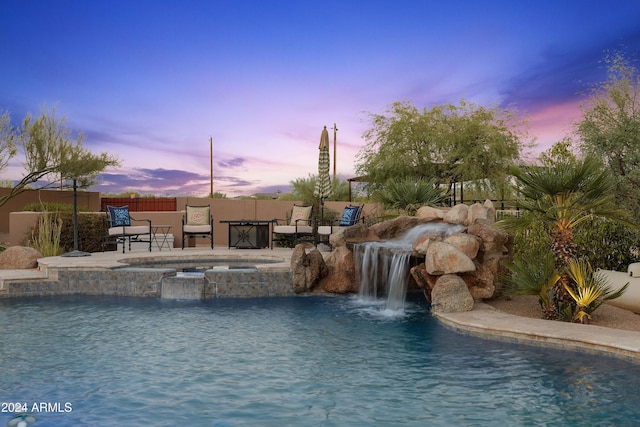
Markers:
{"x": 427, "y": 213}
{"x": 355, "y": 233}
{"x": 307, "y": 269}
{"x": 457, "y": 214}
{"x": 484, "y": 211}
{"x": 468, "y": 244}
{"x": 481, "y": 282}
{"x": 423, "y": 280}
{"x": 342, "y": 272}
{"x": 443, "y": 258}
{"x": 19, "y": 257}
{"x": 451, "y": 295}
{"x": 395, "y": 227}
{"x": 493, "y": 239}
{"x": 421, "y": 244}
{"x": 490, "y": 211}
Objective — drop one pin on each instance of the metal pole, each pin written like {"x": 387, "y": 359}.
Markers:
{"x": 75, "y": 215}
{"x": 335, "y": 129}
{"x": 75, "y": 252}
{"x": 211, "y": 164}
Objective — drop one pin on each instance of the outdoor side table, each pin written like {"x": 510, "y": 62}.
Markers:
{"x": 160, "y": 233}
{"x": 249, "y": 233}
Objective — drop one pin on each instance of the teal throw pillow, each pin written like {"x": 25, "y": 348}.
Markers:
{"x": 350, "y": 216}
{"x": 119, "y": 216}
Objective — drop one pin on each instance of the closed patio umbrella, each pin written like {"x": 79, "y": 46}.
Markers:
{"x": 322, "y": 189}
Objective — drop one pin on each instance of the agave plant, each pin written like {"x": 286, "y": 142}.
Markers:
{"x": 590, "y": 290}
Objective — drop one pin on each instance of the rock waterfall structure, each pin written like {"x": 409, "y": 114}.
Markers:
{"x": 382, "y": 267}
{"x": 454, "y": 255}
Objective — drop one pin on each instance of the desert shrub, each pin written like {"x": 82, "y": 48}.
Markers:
{"x": 535, "y": 276}
{"x": 607, "y": 244}
{"x": 532, "y": 242}
{"x": 91, "y": 230}
{"x": 45, "y": 236}
{"x": 50, "y": 207}
{"x": 603, "y": 243}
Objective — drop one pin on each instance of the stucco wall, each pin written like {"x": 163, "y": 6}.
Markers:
{"x": 88, "y": 200}
{"x": 20, "y": 223}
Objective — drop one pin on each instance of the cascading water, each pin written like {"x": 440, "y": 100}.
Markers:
{"x": 382, "y": 267}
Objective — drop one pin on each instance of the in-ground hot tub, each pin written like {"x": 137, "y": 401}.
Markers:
{"x": 211, "y": 277}
{"x": 198, "y": 264}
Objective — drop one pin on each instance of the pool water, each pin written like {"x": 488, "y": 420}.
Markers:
{"x": 296, "y": 361}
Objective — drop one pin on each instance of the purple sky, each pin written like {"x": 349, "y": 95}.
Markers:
{"x": 151, "y": 80}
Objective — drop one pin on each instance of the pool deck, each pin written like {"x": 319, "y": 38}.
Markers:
{"x": 484, "y": 321}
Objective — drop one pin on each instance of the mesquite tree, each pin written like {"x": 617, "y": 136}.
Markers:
{"x": 50, "y": 152}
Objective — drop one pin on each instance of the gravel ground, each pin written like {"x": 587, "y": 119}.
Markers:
{"x": 606, "y": 315}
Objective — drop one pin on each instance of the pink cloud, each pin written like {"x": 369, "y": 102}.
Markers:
{"x": 550, "y": 124}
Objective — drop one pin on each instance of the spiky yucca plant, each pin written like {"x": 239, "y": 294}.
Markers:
{"x": 589, "y": 290}
{"x": 409, "y": 194}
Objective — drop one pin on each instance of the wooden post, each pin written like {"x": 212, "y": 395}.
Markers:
{"x": 211, "y": 165}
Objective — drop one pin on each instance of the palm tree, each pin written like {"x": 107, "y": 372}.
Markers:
{"x": 560, "y": 196}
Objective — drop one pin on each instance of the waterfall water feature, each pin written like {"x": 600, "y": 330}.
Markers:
{"x": 382, "y": 267}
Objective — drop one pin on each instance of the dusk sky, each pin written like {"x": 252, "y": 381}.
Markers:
{"x": 150, "y": 81}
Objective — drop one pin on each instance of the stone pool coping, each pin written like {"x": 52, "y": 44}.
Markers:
{"x": 108, "y": 273}
{"x": 484, "y": 321}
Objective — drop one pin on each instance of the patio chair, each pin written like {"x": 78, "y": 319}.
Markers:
{"x": 121, "y": 228}
{"x": 299, "y": 225}
{"x": 351, "y": 215}
{"x": 197, "y": 222}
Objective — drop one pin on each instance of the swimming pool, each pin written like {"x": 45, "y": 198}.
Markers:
{"x": 303, "y": 361}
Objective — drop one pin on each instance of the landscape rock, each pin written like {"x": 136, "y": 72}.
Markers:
{"x": 457, "y": 214}
{"x": 428, "y": 213}
{"x": 451, "y": 295}
{"x": 443, "y": 258}
{"x": 307, "y": 269}
{"x": 493, "y": 239}
{"x": 395, "y": 227}
{"x": 342, "y": 272}
{"x": 476, "y": 211}
{"x": 480, "y": 282}
{"x": 19, "y": 257}
{"x": 423, "y": 280}
{"x": 422, "y": 242}
{"x": 356, "y": 233}
{"x": 467, "y": 243}
{"x": 490, "y": 211}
